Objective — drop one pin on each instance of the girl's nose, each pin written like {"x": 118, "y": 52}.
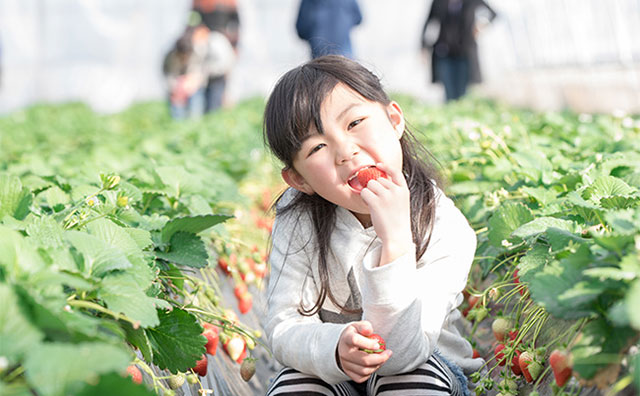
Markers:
{"x": 347, "y": 152}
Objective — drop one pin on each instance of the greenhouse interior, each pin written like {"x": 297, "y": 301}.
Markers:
{"x": 157, "y": 158}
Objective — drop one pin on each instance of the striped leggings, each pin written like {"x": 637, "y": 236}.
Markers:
{"x": 434, "y": 378}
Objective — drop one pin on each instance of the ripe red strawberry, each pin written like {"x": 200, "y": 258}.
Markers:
{"x": 501, "y": 327}
{"x": 240, "y": 289}
{"x": 134, "y": 372}
{"x": 201, "y": 366}
{"x": 381, "y": 343}
{"x": 234, "y": 346}
{"x": 248, "y": 368}
{"x": 476, "y": 354}
{"x": 368, "y": 174}
{"x": 224, "y": 265}
{"x": 531, "y": 367}
{"x": 516, "y": 280}
{"x": 245, "y": 302}
{"x": 515, "y": 363}
{"x": 559, "y": 361}
{"x": 472, "y": 300}
{"x": 499, "y": 355}
{"x": 212, "y": 339}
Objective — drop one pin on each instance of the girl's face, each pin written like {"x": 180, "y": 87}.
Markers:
{"x": 357, "y": 133}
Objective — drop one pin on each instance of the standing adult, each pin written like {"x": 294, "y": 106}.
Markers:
{"x": 326, "y": 25}
{"x": 449, "y": 33}
{"x": 220, "y": 16}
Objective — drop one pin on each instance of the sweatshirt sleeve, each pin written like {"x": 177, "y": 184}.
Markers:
{"x": 301, "y": 342}
{"x": 408, "y": 304}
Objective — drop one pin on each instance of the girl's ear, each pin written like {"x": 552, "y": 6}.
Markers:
{"x": 295, "y": 180}
{"x": 396, "y": 116}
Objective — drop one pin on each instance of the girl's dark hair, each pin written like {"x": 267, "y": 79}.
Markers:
{"x": 294, "y": 105}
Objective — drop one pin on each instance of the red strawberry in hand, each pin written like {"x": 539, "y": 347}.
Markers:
{"x": 371, "y": 173}
{"x": 381, "y": 343}
{"x": 559, "y": 361}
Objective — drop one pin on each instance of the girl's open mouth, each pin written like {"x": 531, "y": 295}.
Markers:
{"x": 359, "y": 180}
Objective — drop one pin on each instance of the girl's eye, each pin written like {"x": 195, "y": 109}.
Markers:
{"x": 354, "y": 123}
{"x": 316, "y": 148}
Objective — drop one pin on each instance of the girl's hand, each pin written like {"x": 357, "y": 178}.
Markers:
{"x": 358, "y": 364}
{"x": 388, "y": 201}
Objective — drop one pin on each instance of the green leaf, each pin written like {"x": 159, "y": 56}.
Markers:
{"x": 600, "y": 345}
{"x": 186, "y": 249}
{"x": 605, "y": 187}
{"x": 561, "y": 239}
{"x": 45, "y": 231}
{"x": 117, "y": 237}
{"x": 138, "y": 338}
{"x": 620, "y": 202}
{"x": 541, "y": 224}
{"x": 122, "y": 293}
{"x": 14, "y": 199}
{"x": 17, "y": 334}
{"x": 547, "y": 286}
{"x": 193, "y": 224}
{"x": 505, "y": 220}
{"x": 60, "y": 368}
{"x": 177, "y": 342}
{"x": 177, "y": 180}
{"x": 612, "y": 241}
{"x": 17, "y": 256}
{"x": 142, "y": 238}
{"x": 100, "y": 258}
{"x": 533, "y": 262}
{"x": 543, "y": 196}
{"x": 632, "y": 300}
{"x": 534, "y": 164}
{"x": 115, "y": 384}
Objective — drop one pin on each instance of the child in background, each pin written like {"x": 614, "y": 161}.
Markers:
{"x": 351, "y": 257}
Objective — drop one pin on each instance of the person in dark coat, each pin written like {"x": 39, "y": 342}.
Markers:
{"x": 454, "y": 52}
{"x": 326, "y": 25}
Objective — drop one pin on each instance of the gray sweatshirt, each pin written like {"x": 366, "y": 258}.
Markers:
{"x": 413, "y": 306}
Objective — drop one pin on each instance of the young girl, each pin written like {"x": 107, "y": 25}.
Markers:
{"x": 349, "y": 260}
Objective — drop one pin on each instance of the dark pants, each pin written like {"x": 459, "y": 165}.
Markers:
{"x": 453, "y": 72}
{"x": 214, "y": 93}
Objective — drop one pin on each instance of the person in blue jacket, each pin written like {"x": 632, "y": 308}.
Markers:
{"x": 326, "y": 25}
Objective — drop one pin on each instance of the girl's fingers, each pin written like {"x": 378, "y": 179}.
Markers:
{"x": 396, "y": 176}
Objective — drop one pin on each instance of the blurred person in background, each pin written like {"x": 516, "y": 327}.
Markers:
{"x": 326, "y": 25}
{"x": 198, "y": 60}
{"x": 449, "y": 34}
{"x": 219, "y": 16}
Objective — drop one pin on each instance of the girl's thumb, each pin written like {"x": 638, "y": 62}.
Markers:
{"x": 363, "y": 327}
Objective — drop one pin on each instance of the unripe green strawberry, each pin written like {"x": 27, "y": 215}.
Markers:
{"x": 192, "y": 379}
{"x": 248, "y": 368}
{"x": 176, "y": 381}
{"x": 501, "y": 327}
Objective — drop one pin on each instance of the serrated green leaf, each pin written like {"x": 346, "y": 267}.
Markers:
{"x": 100, "y": 258}
{"x": 607, "y": 186}
{"x": 561, "y": 239}
{"x": 177, "y": 180}
{"x": 548, "y": 285}
{"x": 115, "y": 384}
{"x": 17, "y": 334}
{"x": 45, "y": 231}
{"x": 193, "y": 224}
{"x": 177, "y": 342}
{"x": 505, "y": 220}
{"x": 130, "y": 191}
{"x": 13, "y": 197}
{"x": 533, "y": 262}
{"x": 541, "y": 224}
{"x": 116, "y": 237}
{"x": 55, "y": 369}
{"x": 55, "y": 196}
{"x": 17, "y": 256}
{"x": 142, "y": 238}
{"x": 122, "y": 294}
{"x": 186, "y": 249}
{"x": 620, "y": 202}
{"x": 533, "y": 164}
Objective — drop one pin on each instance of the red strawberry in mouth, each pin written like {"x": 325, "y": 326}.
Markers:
{"x": 363, "y": 176}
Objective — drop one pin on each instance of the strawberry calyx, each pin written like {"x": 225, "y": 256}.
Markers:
{"x": 381, "y": 344}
